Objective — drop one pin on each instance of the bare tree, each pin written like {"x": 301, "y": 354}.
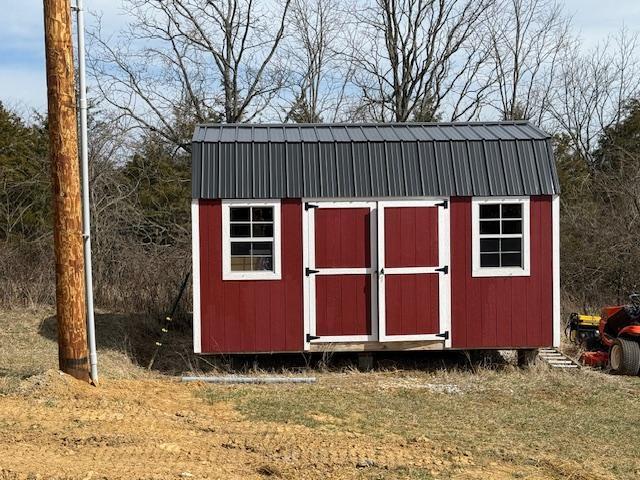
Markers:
{"x": 212, "y": 59}
{"x": 320, "y": 70}
{"x": 413, "y": 58}
{"x": 592, "y": 89}
{"x": 528, "y": 40}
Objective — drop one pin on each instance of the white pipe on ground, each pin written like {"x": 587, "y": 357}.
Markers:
{"x": 242, "y": 379}
{"x": 86, "y": 212}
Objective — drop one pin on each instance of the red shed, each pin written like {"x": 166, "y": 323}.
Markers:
{"x": 374, "y": 237}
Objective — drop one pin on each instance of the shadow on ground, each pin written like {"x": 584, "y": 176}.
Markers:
{"x": 135, "y": 336}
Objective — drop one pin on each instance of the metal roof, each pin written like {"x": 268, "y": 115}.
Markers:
{"x": 372, "y": 160}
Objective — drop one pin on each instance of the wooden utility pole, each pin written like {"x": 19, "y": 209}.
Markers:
{"x": 67, "y": 227}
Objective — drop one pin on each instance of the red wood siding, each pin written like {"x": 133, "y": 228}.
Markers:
{"x": 250, "y": 315}
{"x": 343, "y": 302}
{"x": 499, "y": 312}
{"x": 411, "y": 236}
{"x": 412, "y": 304}
{"x": 343, "y": 305}
{"x": 342, "y": 237}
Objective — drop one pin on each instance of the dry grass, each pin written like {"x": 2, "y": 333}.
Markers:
{"x": 398, "y": 422}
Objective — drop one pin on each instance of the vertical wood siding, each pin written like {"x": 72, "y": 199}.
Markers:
{"x": 343, "y": 305}
{"x": 251, "y": 315}
{"x": 412, "y": 304}
{"x": 343, "y": 302}
{"x": 499, "y": 312}
{"x": 342, "y": 237}
{"x": 412, "y": 300}
{"x": 411, "y": 237}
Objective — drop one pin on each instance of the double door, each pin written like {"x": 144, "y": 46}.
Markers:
{"x": 376, "y": 271}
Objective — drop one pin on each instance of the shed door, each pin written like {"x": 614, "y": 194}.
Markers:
{"x": 342, "y": 271}
{"x": 413, "y": 279}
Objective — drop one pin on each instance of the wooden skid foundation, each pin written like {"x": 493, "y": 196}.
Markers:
{"x": 377, "y": 346}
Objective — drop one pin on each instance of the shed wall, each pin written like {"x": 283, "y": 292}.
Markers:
{"x": 267, "y": 315}
{"x": 509, "y": 312}
{"x": 250, "y": 316}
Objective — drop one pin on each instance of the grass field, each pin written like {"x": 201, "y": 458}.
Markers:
{"x": 413, "y": 419}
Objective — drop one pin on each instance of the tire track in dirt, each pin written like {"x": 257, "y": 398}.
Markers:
{"x": 160, "y": 429}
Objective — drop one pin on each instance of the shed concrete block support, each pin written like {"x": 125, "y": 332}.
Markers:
{"x": 527, "y": 358}
{"x": 366, "y": 361}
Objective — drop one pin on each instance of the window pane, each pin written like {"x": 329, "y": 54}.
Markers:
{"x": 262, "y": 249}
{"x": 240, "y": 248}
{"x": 490, "y": 227}
{"x": 489, "y": 245}
{"x": 262, "y": 214}
{"x": 512, "y": 226}
{"x": 490, "y": 260}
{"x": 262, "y": 263}
{"x": 511, "y": 259}
{"x": 240, "y": 230}
{"x": 512, "y": 210}
{"x": 490, "y": 211}
{"x": 241, "y": 264}
{"x": 239, "y": 214}
{"x": 263, "y": 230}
{"x": 511, "y": 245}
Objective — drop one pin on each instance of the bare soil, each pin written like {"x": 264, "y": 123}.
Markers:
{"x": 398, "y": 422}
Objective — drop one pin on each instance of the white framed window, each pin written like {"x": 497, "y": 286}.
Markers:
{"x": 500, "y": 237}
{"x": 251, "y": 240}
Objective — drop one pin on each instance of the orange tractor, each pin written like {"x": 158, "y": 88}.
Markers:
{"x": 612, "y": 339}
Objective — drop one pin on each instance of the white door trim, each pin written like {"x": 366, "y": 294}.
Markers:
{"x": 444, "y": 280}
{"x": 309, "y": 261}
{"x": 555, "y": 227}
{"x": 195, "y": 276}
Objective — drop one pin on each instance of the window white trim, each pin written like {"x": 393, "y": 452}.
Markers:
{"x": 227, "y": 273}
{"x": 195, "y": 276}
{"x": 477, "y": 270}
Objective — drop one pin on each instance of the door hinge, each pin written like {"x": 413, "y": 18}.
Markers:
{"x": 308, "y": 205}
{"x": 444, "y": 204}
{"x": 309, "y": 271}
{"x": 444, "y": 335}
{"x": 311, "y": 337}
{"x": 444, "y": 269}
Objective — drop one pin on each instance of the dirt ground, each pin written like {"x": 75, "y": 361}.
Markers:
{"x": 397, "y": 422}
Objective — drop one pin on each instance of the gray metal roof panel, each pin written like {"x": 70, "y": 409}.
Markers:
{"x": 261, "y": 134}
{"x": 308, "y": 134}
{"x": 324, "y": 134}
{"x": 495, "y": 171}
{"x": 511, "y": 165}
{"x": 277, "y": 171}
{"x": 412, "y": 179}
{"x": 461, "y": 170}
{"x": 362, "y": 169}
{"x": 395, "y": 169}
{"x": 526, "y": 158}
{"x": 445, "y": 168}
{"x": 429, "y": 177}
{"x": 478, "y": 168}
{"x": 372, "y": 160}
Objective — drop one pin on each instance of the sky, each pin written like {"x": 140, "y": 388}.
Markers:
{"x": 22, "y": 63}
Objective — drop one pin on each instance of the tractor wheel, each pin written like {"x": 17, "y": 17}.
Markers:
{"x": 624, "y": 357}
